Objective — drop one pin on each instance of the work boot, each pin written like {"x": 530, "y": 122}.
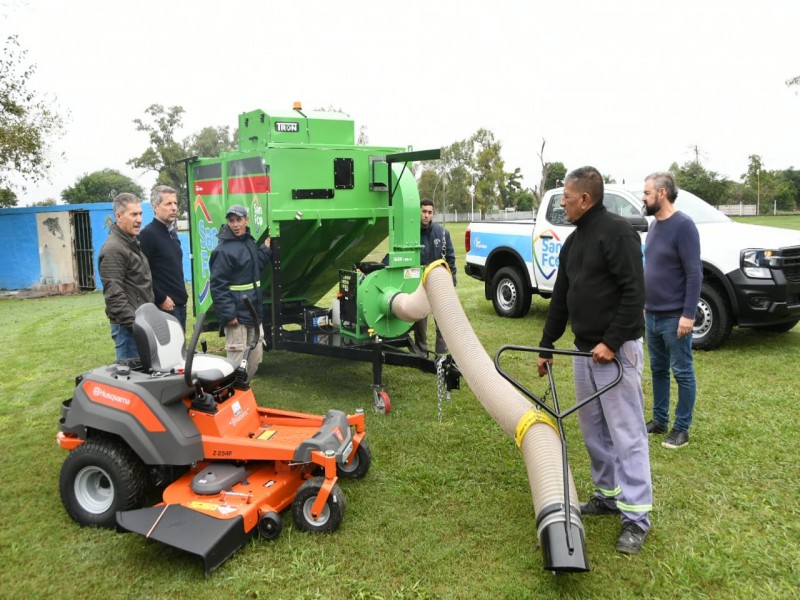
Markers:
{"x": 631, "y": 539}
{"x": 597, "y": 507}
{"x": 654, "y": 426}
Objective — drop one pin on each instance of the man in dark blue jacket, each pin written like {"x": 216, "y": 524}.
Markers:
{"x": 599, "y": 290}
{"x": 160, "y": 244}
{"x": 436, "y": 245}
{"x": 236, "y": 265}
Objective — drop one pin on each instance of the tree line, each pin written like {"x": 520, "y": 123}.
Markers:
{"x": 471, "y": 175}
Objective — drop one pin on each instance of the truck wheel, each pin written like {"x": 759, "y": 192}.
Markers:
{"x": 332, "y": 513}
{"x": 510, "y": 296}
{"x": 712, "y": 322}
{"x": 779, "y": 327}
{"x": 99, "y": 478}
{"x": 359, "y": 463}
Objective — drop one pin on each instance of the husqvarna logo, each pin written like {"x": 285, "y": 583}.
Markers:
{"x": 286, "y": 127}
{"x": 99, "y": 392}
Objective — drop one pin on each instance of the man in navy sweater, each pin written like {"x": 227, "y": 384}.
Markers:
{"x": 160, "y": 244}
{"x": 673, "y": 276}
{"x": 599, "y": 290}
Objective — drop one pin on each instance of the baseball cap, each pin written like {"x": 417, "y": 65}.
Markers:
{"x": 238, "y": 210}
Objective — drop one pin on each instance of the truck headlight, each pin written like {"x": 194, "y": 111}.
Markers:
{"x": 755, "y": 262}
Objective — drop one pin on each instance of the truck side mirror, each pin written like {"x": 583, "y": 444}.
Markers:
{"x": 639, "y": 223}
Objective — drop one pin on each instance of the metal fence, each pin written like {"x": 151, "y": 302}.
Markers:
{"x": 491, "y": 215}
{"x": 738, "y": 210}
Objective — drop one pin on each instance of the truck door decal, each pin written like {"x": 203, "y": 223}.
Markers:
{"x": 546, "y": 258}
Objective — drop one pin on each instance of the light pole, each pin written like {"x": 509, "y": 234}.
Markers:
{"x": 444, "y": 186}
{"x": 472, "y": 207}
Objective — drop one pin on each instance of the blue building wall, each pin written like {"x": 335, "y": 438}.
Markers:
{"x": 19, "y": 246}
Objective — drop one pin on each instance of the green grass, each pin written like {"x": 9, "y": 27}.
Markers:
{"x": 785, "y": 221}
{"x": 445, "y": 511}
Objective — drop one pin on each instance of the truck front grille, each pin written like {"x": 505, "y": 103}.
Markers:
{"x": 790, "y": 263}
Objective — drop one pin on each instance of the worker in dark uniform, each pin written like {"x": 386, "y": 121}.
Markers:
{"x": 236, "y": 265}
{"x": 436, "y": 245}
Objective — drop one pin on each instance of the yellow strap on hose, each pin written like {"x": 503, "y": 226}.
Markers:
{"x": 528, "y": 420}
{"x": 432, "y": 266}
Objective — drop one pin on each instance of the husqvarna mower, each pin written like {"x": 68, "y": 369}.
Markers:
{"x": 190, "y": 422}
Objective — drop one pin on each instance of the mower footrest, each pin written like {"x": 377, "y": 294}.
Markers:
{"x": 214, "y": 540}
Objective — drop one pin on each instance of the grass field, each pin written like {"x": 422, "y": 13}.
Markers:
{"x": 445, "y": 511}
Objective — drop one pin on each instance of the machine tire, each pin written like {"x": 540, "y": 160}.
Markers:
{"x": 713, "y": 320}
{"x": 510, "y": 295}
{"x": 99, "y": 478}
{"x": 778, "y": 327}
{"x": 270, "y": 525}
{"x": 381, "y": 403}
{"x": 359, "y": 463}
{"x": 332, "y": 514}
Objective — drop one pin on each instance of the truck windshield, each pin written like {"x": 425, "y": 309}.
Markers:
{"x": 699, "y": 210}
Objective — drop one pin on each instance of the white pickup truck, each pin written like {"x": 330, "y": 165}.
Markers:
{"x": 751, "y": 274}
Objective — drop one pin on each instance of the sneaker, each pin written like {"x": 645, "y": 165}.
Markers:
{"x": 676, "y": 439}
{"x": 631, "y": 539}
{"x": 654, "y": 426}
{"x": 596, "y": 507}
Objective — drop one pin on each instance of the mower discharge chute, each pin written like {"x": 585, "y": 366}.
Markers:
{"x": 230, "y": 467}
{"x": 326, "y": 202}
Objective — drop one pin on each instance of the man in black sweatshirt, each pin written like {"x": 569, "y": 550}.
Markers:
{"x": 599, "y": 289}
{"x": 160, "y": 244}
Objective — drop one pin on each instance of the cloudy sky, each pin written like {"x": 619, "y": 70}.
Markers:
{"x": 627, "y": 86}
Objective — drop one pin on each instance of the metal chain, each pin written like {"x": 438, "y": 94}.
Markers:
{"x": 440, "y": 385}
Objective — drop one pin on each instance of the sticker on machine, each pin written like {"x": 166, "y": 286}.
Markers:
{"x": 411, "y": 273}
{"x": 202, "y": 505}
{"x": 266, "y": 434}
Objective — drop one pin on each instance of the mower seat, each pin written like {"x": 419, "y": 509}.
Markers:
{"x": 162, "y": 348}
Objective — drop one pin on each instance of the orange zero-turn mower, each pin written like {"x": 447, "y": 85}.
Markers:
{"x": 190, "y": 422}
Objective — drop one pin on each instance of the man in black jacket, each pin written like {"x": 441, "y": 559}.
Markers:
{"x": 161, "y": 246}
{"x": 236, "y": 265}
{"x": 599, "y": 289}
{"x": 436, "y": 245}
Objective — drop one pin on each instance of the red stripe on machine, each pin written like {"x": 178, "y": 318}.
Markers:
{"x": 212, "y": 187}
{"x": 249, "y": 185}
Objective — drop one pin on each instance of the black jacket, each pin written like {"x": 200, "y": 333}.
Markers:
{"x": 600, "y": 284}
{"x": 236, "y": 261}
{"x": 163, "y": 252}
{"x": 433, "y": 240}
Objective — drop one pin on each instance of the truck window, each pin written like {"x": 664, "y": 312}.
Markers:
{"x": 620, "y": 206}
{"x": 555, "y": 212}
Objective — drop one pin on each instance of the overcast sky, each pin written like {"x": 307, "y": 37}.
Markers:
{"x": 626, "y": 86}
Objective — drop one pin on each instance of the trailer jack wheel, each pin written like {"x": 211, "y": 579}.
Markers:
{"x": 381, "y": 402}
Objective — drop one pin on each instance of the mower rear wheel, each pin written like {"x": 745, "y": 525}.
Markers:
{"x": 332, "y": 513}
{"x": 358, "y": 465}
{"x": 270, "y": 525}
{"x": 99, "y": 478}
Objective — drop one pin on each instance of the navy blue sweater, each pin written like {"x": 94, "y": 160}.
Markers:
{"x": 163, "y": 252}
{"x": 673, "y": 272}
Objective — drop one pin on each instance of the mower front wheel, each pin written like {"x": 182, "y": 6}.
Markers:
{"x": 99, "y": 478}
{"x": 332, "y": 513}
{"x": 359, "y": 463}
{"x": 270, "y": 525}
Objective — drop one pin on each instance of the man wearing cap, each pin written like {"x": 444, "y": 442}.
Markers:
{"x": 161, "y": 246}
{"x": 236, "y": 265}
